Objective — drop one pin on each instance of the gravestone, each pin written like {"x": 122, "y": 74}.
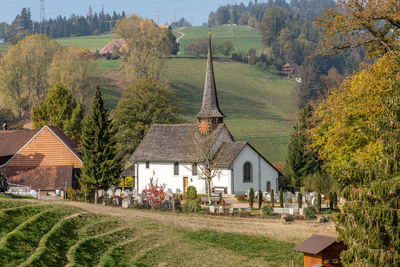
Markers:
{"x": 118, "y": 192}
{"x": 109, "y": 193}
{"x": 134, "y": 193}
{"x": 221, "y": 210}
{"x": 239, "y": 210}
{"x": 125, "y": 203}
{"x": 231, "y": 210}
{"x": 212, "y": 209}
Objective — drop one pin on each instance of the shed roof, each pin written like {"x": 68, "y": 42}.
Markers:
{"x": 130, "y": 171}
{"x": 315, "y": 244}
{"x": 12, "y": 141}
{"x": 114, "y": 45}
{"x": 168, "y": 142}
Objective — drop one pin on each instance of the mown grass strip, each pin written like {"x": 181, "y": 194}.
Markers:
{"x": 11, "y": 218}
{"x": 273, "y": 252}
{"x": 124, "y": 253}
{"x": 16, "y": 246}
{"x": 54, "y": 245}
{"x": 7, "y": 203}
{"x": 89, "y": 251}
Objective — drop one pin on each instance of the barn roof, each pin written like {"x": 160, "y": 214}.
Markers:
{"x": 114, "y": 44}
{"x": 12, "y": 141}
{"x": 209, "y": 106}
{"x": 168, "y": 142}
{"x": 43, "y": 178}
{"x": 315, "y": 244}
{"x": 228, "y": 153}
{"x": 67, "y": 141}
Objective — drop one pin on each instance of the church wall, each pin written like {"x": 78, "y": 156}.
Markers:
{"x": 164, "y": 173}
{"x": 262, "y": 172}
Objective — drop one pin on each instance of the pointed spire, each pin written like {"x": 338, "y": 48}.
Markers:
{"x": 210, "y": 107}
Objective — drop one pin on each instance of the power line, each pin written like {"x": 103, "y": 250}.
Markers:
{"x": 42, "y": 15}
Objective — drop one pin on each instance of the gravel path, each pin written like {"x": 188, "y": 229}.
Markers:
{"x": 274, "y": 228}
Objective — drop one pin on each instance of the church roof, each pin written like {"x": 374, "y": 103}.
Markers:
{"x": 168, "y": 143}
{"x": 210, "y": 107}
{"x": 228, "y": 153}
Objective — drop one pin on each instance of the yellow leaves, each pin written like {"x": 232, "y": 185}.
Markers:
{"x": 350, "y": 121}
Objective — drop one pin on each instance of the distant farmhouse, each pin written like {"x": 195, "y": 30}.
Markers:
{"x": 292, "y": 70}
{"x": 120, "y": 46}
{"x": 165, "y": 153}
{"x": 44, "y": 159}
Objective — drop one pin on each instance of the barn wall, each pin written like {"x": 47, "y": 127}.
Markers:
{"x": 45, "y": 150}
{"x": 310, "y": 260}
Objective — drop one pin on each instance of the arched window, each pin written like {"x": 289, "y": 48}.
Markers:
{"x": 176, "y": 168}
{"x": 247, "y": 173}
{"x": 194, "y": 169}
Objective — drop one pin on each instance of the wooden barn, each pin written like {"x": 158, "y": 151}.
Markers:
{"x": 44, "y": 159}
{"x": 321, "y": 250}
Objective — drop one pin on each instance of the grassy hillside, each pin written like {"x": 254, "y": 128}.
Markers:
{"x": 93, "y": 43}
{"x": 57, "y": 235}
{"x": 259, "y": 106}
{"x": 242, "y": 37}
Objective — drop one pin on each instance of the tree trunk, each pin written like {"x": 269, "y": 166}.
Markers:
{"x": 96, "y": 194}
{"x": 209, "y": 192}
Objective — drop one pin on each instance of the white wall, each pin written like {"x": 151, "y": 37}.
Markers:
{"x": 164, "y": 173}
{"x": 262, "y": 172}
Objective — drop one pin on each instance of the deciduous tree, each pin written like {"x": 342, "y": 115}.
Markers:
{"x": 144, "y": 103}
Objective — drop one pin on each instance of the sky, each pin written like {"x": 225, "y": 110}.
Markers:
{"x": 194, "y": 11}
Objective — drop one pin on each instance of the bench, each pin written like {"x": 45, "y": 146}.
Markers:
{"x": 220, "y": 189}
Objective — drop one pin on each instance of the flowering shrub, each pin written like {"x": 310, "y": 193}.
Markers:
{"x": 154, "y": 194}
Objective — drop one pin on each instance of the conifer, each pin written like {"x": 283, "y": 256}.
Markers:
{"x": 101, "y": 167}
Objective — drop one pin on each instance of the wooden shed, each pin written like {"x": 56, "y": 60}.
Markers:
{"x": 320, "y": 250}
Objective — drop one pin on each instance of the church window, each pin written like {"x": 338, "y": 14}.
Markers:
{"x": 176, "y": 168}
{"x": 194, "y": 169}
{"x": 147, "y": 164}
{"x": 268, "y": 189}
{"x": 247, "y": 173}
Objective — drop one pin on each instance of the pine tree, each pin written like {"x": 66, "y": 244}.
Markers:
{"x": 281, "y": 198}
{"x": 260, "y": 199}
{"x": 101, "y": 167}
{"x": 300, "y": 200}
{"x": 319, "y": 202}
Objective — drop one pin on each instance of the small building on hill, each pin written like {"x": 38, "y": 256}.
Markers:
{"x": 44, "y": 159}
{"x": 321, "y": 250}
{"x": 166, "y": 153}
{"x": 114, "y": 46}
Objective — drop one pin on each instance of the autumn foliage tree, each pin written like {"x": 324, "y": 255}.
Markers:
{"x": 373, "y": 24}
{"x": 357, "y": 134}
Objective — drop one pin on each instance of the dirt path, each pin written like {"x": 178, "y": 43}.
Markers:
{"x": 274, "y": 228}
{"x": 181, "y": 33}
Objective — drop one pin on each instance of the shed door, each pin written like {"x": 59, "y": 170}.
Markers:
{"x": 185, "y": 183}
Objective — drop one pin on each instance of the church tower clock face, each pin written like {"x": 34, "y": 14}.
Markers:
{"x": 204, "y": 126}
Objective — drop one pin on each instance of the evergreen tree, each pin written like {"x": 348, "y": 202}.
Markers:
{"x": 101, "y": 167}
{"x": 281, "y": 198}
{"x": 260, "y": 199}
{"x": 251, "y": 197}
{"x": 300, "y": 161}
{"x": 300, "y": 200}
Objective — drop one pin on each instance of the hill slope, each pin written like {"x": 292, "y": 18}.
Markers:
{"x": 259, "y": 106}
{"x": 242, "y": 37}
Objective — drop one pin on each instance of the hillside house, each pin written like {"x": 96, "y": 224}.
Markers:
{"x": 165, "y": 153}
{"x": 44, "y": 159}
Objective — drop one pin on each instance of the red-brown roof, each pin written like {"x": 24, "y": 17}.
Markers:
{"x": 12, "y": 141}
{"x": 43, "y": 178}
{"x": 315, "y": 244}
{"x": 118, "y": 45}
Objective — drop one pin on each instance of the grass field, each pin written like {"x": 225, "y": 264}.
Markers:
{"x": 259, "y": 107}
{"x": 93, "y": 43}
{"x": 242, "y": 37}
{"x": 59, "y": 235}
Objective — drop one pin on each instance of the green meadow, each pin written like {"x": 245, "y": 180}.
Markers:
{"x": 36, "y": 233}
{"x": 93, "y": 43}
{"x": 242, "y": 37}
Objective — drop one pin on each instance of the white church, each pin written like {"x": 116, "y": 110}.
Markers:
{"x": 165, "y": 153}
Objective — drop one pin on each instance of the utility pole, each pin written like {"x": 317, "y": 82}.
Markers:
{"x": 231, "y": 15}
{"x": 175, "y": 15}
{"x": 42, "y": 15}
{"x": 158, "y": 17}
{"x": 111, "y": 21}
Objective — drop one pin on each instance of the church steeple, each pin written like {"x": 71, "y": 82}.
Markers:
{"x": 210, "y": 110}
